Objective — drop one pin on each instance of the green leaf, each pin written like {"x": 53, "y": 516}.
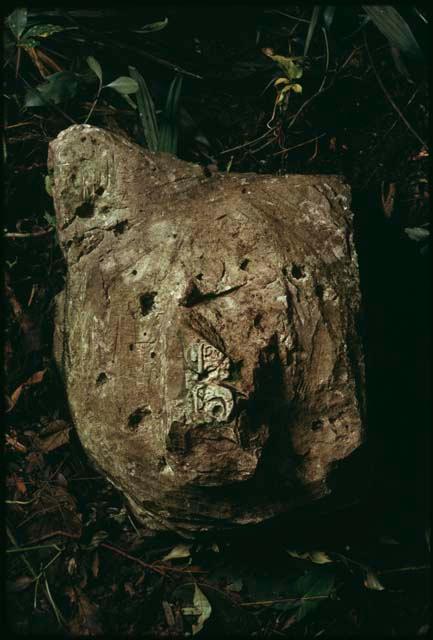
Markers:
{"x": 236, "y": 586}
{"x": 17, "y": 21}
{"x": 28, "y": 43}
{"x": 123, "y": 85}
{"x": 328, "y": 15}
{"x": 43, "y": 30}
{"x": 52, "y": 221}
{"x": 311, "y": 28}
{"x": 179, "y": 551}
{"x": 151, "y": 28}
{"x": 146, "y": 111}
{"x": 58, "y": 87}
{"x": 95, "y": 67}
{"x": 314, "y": 588}
{"x": 394, "y": 28}
{"x": 291, "y": 70}
{"x": 129, "y": 100}
{"x": 169, "y": 128}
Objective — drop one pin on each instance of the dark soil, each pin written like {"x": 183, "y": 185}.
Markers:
{"x": 76, "y": 562}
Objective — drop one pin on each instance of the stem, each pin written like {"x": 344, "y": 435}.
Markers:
{"x": 33, "y": 548}
{"x": 390, "y": 100}
{"x": 26, "y": 562}
{"x": 94, "y": 103}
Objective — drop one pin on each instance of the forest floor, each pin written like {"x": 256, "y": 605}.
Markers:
{"x": 76, "y": 560}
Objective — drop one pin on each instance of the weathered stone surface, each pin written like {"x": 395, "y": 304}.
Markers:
{"x": 207, "y": 330}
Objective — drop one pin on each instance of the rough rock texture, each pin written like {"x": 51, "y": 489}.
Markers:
{"x": 207, "y": 330}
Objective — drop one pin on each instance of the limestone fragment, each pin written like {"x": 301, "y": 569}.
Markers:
{"x": 207, "y": 331}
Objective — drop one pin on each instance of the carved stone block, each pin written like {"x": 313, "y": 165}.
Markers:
{"x": 207, "y": 330}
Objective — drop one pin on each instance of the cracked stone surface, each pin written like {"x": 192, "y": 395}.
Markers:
{"x": 207, "y": 331}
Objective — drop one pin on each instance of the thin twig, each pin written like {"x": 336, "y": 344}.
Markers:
{"x": 287, "y": 15}
{"x": 24, "y": 559}
{"x": 301, "y": 144}
{"x": 395, "y": 122}
{"x": 19, "y": 124}
{"x": 121, "y": 45}
{"x": 250, "y": 142}
{"x": 422, "y": 567}
{"x": 270, "y": 602}
{"x": 145, "y": 565}
{"x": 33, "y": 234}
{"x": 321, "y": 88}
{"x": 389, "y": 98}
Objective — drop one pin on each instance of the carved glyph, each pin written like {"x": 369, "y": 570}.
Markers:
{"x": 206, "y": 367}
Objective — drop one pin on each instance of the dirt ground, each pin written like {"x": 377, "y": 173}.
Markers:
{"x": 76, "y": 561}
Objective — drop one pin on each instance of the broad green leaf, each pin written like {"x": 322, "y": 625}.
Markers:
{"x": 43, "y": 30}
{"x": 154, "y": 26}
{"x": 291, "y": 70}
{"x": 58, "y": 87}
{"x": 146, "y": 111}
{"x": 52, "y": 220}
{"x": 236, "y": 586}
{"x": 314, "y": 588}
{"x": 371, "y": 581}
{"x": 179, "y": 551}
{"x": 17, "y": 21}
{"x": 394, "y": 28}
{"x": 95, "y": 67}
{"x": 28, "y": 43}
{"x": 128, "y": 100}
{"x": 34, "y": 99}
{"x": 124, "y": 85}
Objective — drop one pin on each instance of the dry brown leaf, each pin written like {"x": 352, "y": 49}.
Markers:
{"x": 20, "y": 485}
{"x": 54, "y": 440}
{"x": 36, "y": 378}
{"x": 11, "y": 441}
{"x": 53, "y": 426}
{"x": 54, "y": 513}
{"x": 21, "y": 583}
{"x": 86, "y": 622}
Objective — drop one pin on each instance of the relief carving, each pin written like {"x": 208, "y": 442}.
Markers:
{"x": 205, "y": 368}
